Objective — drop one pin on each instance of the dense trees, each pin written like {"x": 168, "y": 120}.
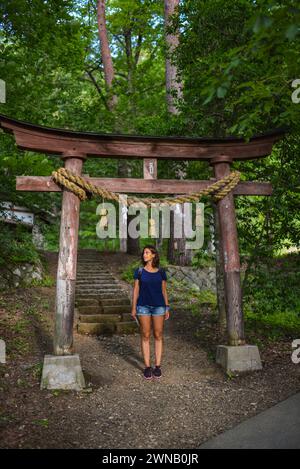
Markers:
{"x": 65, "y": 65}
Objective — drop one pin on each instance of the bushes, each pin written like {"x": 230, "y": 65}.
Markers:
{"x": 16, "y": 245}
{"x": 272, "y": 295}
{"x": 16, "y": 248}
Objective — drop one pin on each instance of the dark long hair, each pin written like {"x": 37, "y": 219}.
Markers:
{"x": 155, "y": 260}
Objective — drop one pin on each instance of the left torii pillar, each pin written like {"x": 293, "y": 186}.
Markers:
{"x": 63, "y": 369}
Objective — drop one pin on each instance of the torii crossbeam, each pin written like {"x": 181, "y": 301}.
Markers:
{"x": 75, "y": 147}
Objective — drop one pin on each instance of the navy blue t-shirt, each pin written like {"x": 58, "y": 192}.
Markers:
{"x": 150, "y": 288}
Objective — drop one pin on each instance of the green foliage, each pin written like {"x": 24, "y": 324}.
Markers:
{"x": 42, "y": 422}
{"x": 16, "y": 248}
{"x": 37, "y": 370}
{"x": 237, "y": 60}
{"x": 247, "y": 55}
{"x": 272, "y": 295}
{"x": 208, "y": 297}
{"x": 46, "y": 281}
{"x": 203, "y": 259}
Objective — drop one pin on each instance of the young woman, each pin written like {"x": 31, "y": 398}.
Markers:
{"x": 150, "y": 299}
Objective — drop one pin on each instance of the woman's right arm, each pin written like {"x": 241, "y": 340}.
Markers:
{"x": 135, "y": 295}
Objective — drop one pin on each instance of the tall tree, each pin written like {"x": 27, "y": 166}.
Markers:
{"x": 177, "y": 252}
{"x": 173, "y": 83}
{"x": 109, "y": 72}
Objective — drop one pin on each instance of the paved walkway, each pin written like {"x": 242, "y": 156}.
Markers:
{"x": 275, "y": 428}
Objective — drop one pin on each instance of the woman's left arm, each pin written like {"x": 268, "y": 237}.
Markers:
{"x": 165, "y": 295}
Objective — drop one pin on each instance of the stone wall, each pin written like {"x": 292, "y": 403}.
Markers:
{"x": 202, "y": 278}
{"x": 22, "y": 274}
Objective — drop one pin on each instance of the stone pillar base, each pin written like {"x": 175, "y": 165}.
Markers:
{"x": 238, "y": 358}
{"x": 62, "y": 372}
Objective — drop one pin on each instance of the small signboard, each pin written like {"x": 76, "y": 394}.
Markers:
{"x": 16, "y": 214}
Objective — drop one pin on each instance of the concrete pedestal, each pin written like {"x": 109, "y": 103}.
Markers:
{"x": 238, "y": 358}
{"x": 62, "y": 372}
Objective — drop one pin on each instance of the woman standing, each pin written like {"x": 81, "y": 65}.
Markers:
{"x": 150, "y": 299}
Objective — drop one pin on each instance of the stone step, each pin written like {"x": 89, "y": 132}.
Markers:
{"x": 96, "y": 295}
{"x": 99, "y": 272}
{"x": 96, "y": 287}
{"x": 92, "y": 266}
{"x": 87, "y": 302}
{"x": 104, "y": 288}
{"x": 87, "y": 310}
{"x": 100, "y": 318}
{"x": 106, "y": 295}
{"x": 96, "y": 328}
{"x": 115, "y": 301}
{"x": 100, "y": 292}
{"x": 95, "y": 275}
{"x": 97, "y": 267}
{"x": 126, "y": 327}
{"x": 116, "y": 309}
{"x": 97, "y": 282}
{"x": 89, "y": 257}
{"x": 93, "y": 296}
{"x": 109, "y": 328}
{"x": 126, "y": 317}
{"x": 101, "y": 307}
{"x": 90, "y": 261}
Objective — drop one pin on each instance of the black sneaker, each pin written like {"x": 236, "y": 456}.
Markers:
{"x": 148, "y": 372}
{"x": 157, "y": 372}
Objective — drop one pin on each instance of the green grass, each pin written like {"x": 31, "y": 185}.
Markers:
{"x": 46, "y": 281}
{"x": 42, "y": 422}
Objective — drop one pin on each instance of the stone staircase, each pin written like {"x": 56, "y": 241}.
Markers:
{"x": 102, "y": 306}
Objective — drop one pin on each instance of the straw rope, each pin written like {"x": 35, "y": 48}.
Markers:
{"x": 85, "y": 190}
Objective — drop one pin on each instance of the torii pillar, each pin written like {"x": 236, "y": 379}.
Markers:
{"x": 67, "y": 261}
{"x": 231, "y": 260}
{"x": 63, "y": 369}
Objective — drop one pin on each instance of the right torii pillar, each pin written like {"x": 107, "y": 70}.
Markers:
{"x": 230, "y": 357}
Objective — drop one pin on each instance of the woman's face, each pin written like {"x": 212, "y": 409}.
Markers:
{"x": 148, "y": 255}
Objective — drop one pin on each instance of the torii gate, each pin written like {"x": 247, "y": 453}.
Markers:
{"x": 75, "y": 147}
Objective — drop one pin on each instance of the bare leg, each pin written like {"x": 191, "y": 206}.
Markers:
{"x": 145, "y": 322}
{"x": 158, "y": 326}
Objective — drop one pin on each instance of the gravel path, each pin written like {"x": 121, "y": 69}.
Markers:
{"x": 193, "y": 401}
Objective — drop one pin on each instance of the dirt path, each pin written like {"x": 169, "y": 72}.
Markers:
{"x": 192, "y": 402}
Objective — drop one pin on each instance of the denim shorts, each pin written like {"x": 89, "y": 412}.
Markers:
{"x": 147, "y": 310}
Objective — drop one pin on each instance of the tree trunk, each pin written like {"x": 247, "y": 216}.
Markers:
{"x": 177, "y": 252}
{"x": 105, "y": 54}
{"x": 172, "y": 85}
{"x": 131, "y": 246}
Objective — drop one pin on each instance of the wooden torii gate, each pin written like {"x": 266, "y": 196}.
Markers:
{"x": 75, "y": 147}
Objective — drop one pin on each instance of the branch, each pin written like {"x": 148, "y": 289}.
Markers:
{"x": 98, "y": 89}
{"x": 138, "y": 49}
{"x": 116, "y": 36}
